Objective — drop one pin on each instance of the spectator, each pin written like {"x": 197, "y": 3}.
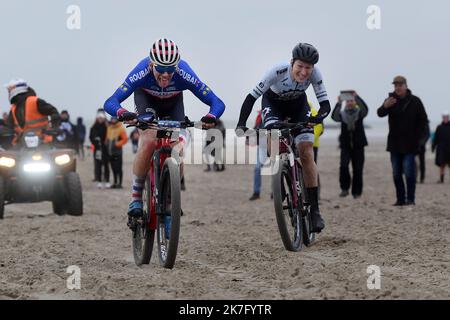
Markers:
{"x": 81, "y": 136}
{"x": 421, "y": 155}
{"x": 261, "y": 156}
{"x": 352, "y": 142}
{"x": 217, "y": 153}
{"x": 407, "y": 131}
{"x": 318, "y": 131}
{"x": 4, "y": 119}
{"x": 116, "y": 138}
{"x": 6, "y": 133}
{"x": 441, "y": 144}
{"x": 134, "y": 137}
{"x": 67, "y": 139}
{"x": 97, "y": 136}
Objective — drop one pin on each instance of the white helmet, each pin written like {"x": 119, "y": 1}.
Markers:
{"x": 15, "y": 87}
{"x": 164, "y": 52}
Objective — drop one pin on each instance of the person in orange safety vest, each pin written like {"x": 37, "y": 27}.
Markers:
{"x": 28, "y": 112}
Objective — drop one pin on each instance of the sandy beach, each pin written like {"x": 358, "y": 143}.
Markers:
{"x": 230, "y": 247}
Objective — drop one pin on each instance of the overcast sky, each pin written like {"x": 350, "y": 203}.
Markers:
{"x": 229, "y": 44}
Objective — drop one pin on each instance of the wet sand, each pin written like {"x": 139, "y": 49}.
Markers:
{"x": 230, "y": 247}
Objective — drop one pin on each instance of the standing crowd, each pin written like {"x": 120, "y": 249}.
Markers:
{"x": 408, "y": 134}
{"x": 107, "y": 140}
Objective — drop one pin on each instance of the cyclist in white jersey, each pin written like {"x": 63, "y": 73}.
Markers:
{"x": 284, "y": 99}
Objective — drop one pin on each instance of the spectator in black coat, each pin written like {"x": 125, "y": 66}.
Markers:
{"x": 81, "y": 136}
{"x": 408, "y": 122}
{"x": 421, "y": 155}
{"x": 441, "y": 144}
{"x": 6, "y": 133}
{"x": 352, "y": 141}
{"x": 97, "y": 136}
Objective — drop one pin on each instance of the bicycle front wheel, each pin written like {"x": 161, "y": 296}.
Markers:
{"x": 288, "y": 216}
{"x": 168, "y": 229}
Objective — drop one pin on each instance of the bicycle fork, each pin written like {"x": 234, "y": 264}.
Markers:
{"x": 295, "y": 185}
{"x": 156, "y": 179}
{"x": 158, "y": 161}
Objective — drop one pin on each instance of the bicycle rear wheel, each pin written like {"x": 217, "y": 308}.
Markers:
{"x": 289, "y": 219}
{"x": 168, "y": 226}
{"x": 143, "y": 237}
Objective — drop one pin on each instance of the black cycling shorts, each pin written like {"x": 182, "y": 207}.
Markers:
{"x": 294, "y": 111}
{"x": 168, "y": 109}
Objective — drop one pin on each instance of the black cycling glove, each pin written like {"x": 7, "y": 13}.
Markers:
{"x": 127, "y": 116}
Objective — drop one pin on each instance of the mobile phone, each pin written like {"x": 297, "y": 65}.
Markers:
{"x": 347, "y": 95}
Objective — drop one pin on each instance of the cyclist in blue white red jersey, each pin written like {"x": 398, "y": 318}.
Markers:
{"x": 158, "y": 82}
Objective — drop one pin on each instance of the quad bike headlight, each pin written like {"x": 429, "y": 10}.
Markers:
{"x": 62, "y": 159}
{"x": 36, "y": 167}
{"x": 7, "y": 162}
{"x": 36, "y": 157}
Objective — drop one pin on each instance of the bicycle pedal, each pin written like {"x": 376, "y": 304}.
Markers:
{"x": 131, "y": 226}
{"x": 132, "y": 223}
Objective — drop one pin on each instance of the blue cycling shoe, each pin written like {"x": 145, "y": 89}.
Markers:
{"x": 135, "y": 209}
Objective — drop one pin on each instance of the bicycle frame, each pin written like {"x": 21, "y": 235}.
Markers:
{"x": 285, "y": 147}
{"x": 162, "y": 152}
{"x": 291, "y": 200}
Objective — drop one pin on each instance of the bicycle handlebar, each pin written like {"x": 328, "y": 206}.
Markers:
{"x": 285, "y": 126}
{"x": 146, "y": 123}
{"x": 290, "y": 126}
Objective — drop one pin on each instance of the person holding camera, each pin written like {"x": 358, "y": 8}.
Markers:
{"x": 352, "y": 141}
{"x": 408, "y": 123}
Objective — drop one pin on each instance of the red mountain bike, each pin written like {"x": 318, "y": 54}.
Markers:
{"x": 161, "y": 197}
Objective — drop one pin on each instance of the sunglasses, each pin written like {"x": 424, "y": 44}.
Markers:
{"x": 163, "y": 69}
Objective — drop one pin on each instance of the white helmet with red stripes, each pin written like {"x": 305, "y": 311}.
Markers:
{"x": 164, "y": 52}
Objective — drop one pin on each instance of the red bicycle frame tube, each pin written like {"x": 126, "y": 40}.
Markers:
{"x": 160, "y": 144}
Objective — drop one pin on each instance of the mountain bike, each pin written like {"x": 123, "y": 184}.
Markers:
{"x": 292, "y": 209}
{"x": 161, "y": 196}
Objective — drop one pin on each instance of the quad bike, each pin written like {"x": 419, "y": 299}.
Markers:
{"x": 36, "y": 171}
